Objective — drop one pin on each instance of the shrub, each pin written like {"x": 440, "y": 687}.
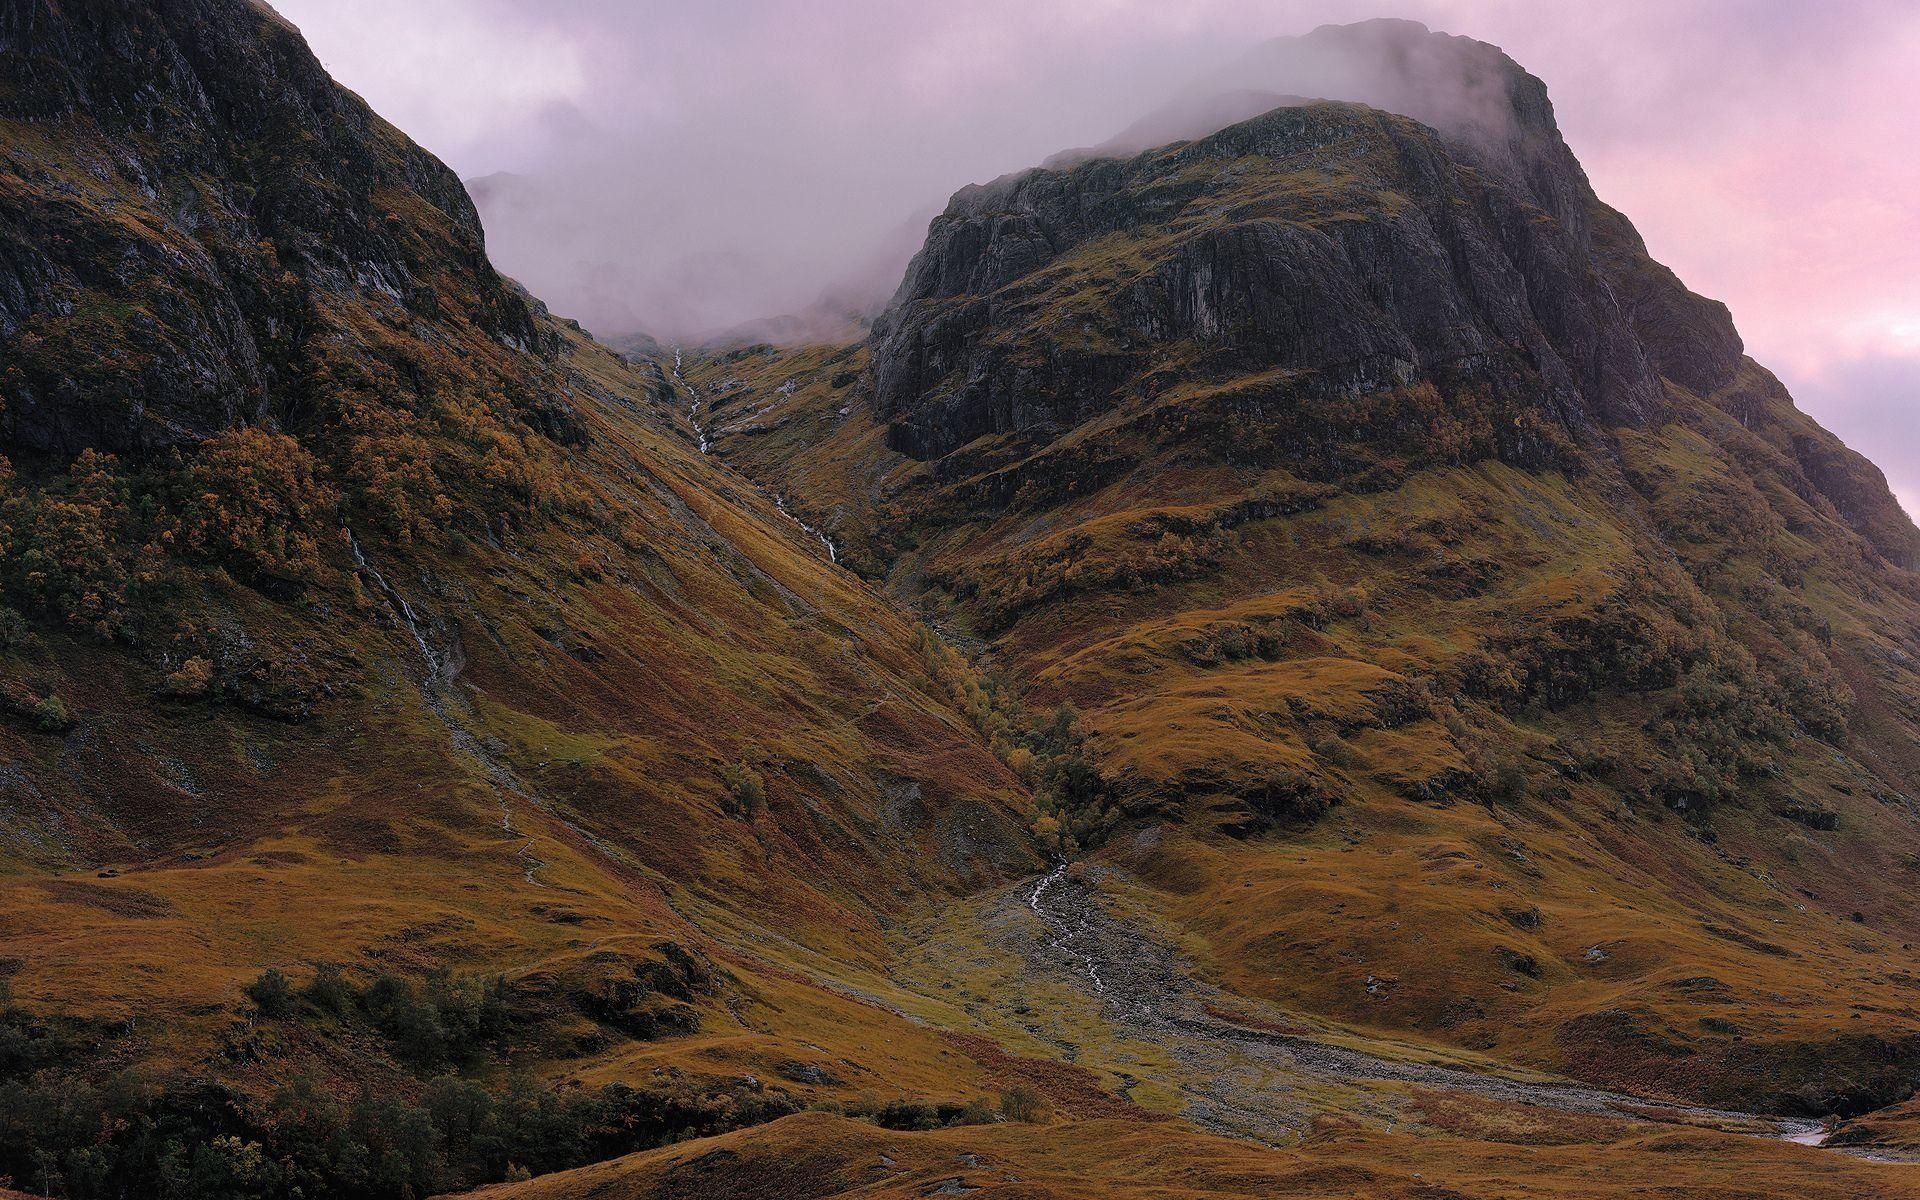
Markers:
{"x": 271, "y": 993}
{"x": 1022, "y": 1103}
{"x": 228, "y": 1168}
{"x": 13, "y": 629}
{"x": 192, "y": 680}
{"x": 51, "y": 716}
{"x": 745, "y": 786}
{"x": 907, "y": 1115}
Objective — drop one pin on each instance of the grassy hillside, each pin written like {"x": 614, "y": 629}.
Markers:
{"x": 364, "y": 624}
{"x": 816, "y": 1156}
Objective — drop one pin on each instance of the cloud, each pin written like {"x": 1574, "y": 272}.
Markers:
{"x": 686, "y": 166}
{"x": 463, "y": 87}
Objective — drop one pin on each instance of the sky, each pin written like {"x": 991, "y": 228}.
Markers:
{"x": 680, "y": 166}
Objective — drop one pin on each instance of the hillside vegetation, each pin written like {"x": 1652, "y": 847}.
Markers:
{"x": 1296, "y": 661}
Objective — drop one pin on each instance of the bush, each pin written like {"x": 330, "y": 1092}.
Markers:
{"x": 745, "y": 786}
{"x": 13, "y": 629}
{"x": 193, "y": 680}
{"x": 907, "y": 1115}
{"x": 271, "y": 993}
{"x": 51, "y": 716}
{"x": 329, "y": 991}
{"x": 1022, "y": 1103}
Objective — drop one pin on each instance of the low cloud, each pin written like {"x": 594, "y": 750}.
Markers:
{"x": 680, "y": 168}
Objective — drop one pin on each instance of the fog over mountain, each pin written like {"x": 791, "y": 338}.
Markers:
{"x": 685, "y": 168}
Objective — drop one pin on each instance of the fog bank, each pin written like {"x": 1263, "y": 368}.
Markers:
{"x": 681, "y": 167}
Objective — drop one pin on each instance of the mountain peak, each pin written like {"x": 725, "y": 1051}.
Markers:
{"x": 1470, "y": 91}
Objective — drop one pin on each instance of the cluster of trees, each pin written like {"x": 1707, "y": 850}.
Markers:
{"x": 410, "y": 451}
{"x": 254, "y": 500}
{"x": 424, "y": 432}
{"x": 76, "y": 1134}
{"x": 72, "y": 546}
{"x": 66, "y": 1131}
{"x": 179, "y": 1137}
{"x": 88, "y": 547}
{"x": 1723, "y": 712}
{"x": 1017, "y": 1103}
{"x": 448, "y": 1019}
{"x": 1075, "y": 805}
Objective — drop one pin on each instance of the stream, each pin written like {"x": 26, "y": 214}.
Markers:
{"x": 693, "y": 405}
{"x": 1146, "y": 990}
{"x": 436, "y": 689}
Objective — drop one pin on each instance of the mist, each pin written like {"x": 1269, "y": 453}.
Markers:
{"x": 681, "y": 168}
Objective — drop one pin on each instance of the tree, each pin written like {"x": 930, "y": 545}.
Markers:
{"x": 51, "y": 716}
{"x": 330, "y": 991}
{"x": 1022, "y": 1103}
{"x": 271, "y": 993}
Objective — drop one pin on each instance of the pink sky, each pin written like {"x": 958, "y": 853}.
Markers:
{"x": 748, "y": 151}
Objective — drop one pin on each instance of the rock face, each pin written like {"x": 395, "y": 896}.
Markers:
{"x": 1342, "y": 250}
{"x": 183, "y": 190}
{"x": 1343, "y": 246}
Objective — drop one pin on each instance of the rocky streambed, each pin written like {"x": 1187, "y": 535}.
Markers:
{"x": 1267, "y": 1084}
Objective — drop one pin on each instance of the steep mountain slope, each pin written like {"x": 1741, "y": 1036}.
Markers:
{"x": 1469, "y": 640}
{"x": 421, "y": 766}
{"x": 358, "y": 612}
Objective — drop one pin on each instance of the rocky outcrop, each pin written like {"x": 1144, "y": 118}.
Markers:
{"x": 183, "y": 192}
{"x": 1350, "y": 249}
{"x": 1447, "y": 257}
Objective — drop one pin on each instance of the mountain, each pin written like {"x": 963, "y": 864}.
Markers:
{"x": 1297, "y": 661}
{"x": 1470, "y": 641}
{"x": 365, "y": 624}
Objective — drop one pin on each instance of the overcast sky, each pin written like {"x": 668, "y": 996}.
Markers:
{"x": 700, "y": 162}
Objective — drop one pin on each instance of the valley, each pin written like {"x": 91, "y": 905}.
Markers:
{"x": 1291, "y": 658}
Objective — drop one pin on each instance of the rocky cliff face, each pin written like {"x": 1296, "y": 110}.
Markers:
{"x": 185, "y": 199}
{"x": 1344, "y": 247}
